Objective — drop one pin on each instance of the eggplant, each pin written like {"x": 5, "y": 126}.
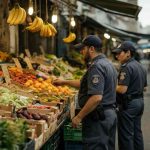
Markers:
{"x": 44, "y": 117}
{"x": 36, "y": 116}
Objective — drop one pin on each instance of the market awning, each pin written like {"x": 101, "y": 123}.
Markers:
{"x": 115, "y": 7}
{"x": 106, "y": 28}
{"x": 144, "y": 36}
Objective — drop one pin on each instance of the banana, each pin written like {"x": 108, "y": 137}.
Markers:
{"x": 71, "y": 37}
{"x": 36, "y": 25}
{"x": 45, "y": 31}
{"x": 15, "y": 16}
{"x": 39, "y": 25}
{"x": 19, "y": 17}
{"x": 23, "y": 17}
{"x": 42, "y": 30}
{"x": 49, "y": 31}
{"x": 11, "y": 15}
{"x": 54, "y": 31}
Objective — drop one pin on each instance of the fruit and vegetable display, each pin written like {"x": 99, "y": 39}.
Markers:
{"x": 76, "y": 56}
{"x": 7, "y": 98}
{"x": 28, "y": 86}
{"x": 20, "y": 77}
{"x": 25, "y": 114}
{"x": 12, "y": 134}
{"x": 62, "y": 68}
{"x": 46, "y": 85}
{"x": 4, "y": 56}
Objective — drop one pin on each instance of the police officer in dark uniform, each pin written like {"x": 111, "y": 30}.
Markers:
{"x": 97, "y": 96}
{"x": 132, "y": 81}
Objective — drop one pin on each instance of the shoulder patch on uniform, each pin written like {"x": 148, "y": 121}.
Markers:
{"x": 122, "y": 75}
{"x": 95, "y": 79}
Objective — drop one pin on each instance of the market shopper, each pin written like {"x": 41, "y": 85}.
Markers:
{"x": 132, "y": 81}
{"x": 97, "y": 96}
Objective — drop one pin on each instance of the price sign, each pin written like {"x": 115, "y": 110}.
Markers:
{"x": 28, "y": 53}
{"x": 6, "y": 73}
{"x": 27, "y": 60}
{"x": 17, "y": 63}
{"x": 22, "y": 55}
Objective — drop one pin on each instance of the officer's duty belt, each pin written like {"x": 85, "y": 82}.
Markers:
{"x": 134, "y": 96}
{"x": 111, "y": 106}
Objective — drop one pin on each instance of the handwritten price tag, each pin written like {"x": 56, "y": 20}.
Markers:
{"x": 27, "y": 60}
{"x": 17, "y": 63}
{"x": 6, "y": 73}
{"x": 28, "y": 53}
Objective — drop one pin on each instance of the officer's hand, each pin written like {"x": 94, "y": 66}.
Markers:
{"x": 58, "y": 82}
{"x": 76, "y": 121}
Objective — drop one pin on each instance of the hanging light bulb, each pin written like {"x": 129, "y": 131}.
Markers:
{"x": 113, "y": 39}
{"x": 72, "y": 23}
{"x": 30, "y": 9}
{"x": 55, "y": 15}
{"x": 106, "y": 35}
{"x": 54, "y": 18}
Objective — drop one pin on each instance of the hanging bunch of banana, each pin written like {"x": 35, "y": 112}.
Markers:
{"x": 70, "y": 38}
{"x": 36, "y": 25}
{"x": 47, "y": 30}
{"x": 17, "y": 15}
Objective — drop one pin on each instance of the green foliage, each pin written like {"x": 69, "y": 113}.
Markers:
{"x": 12, "y": 133}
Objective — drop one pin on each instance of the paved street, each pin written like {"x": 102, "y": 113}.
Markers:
{"x": 146, "y": 117}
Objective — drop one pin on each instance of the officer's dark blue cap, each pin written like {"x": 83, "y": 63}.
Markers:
{"x": 90, "y": 40}
{"x": 125, "y": 46}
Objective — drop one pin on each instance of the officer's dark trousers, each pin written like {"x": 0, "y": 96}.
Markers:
{"x": 100, "y": 135}
{"x": 129, "y": 126}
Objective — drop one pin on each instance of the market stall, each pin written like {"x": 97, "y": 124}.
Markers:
{"x": 27, "y": 94}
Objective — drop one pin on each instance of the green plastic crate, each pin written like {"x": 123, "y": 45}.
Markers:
{"x": 72, "y": 134}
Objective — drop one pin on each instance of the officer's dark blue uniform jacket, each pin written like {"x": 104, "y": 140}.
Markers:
{"x": 100, "y": 79}
{"x": 129, "y": 73}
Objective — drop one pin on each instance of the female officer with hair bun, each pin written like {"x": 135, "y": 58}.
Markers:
{"x": 132, "y": 81}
